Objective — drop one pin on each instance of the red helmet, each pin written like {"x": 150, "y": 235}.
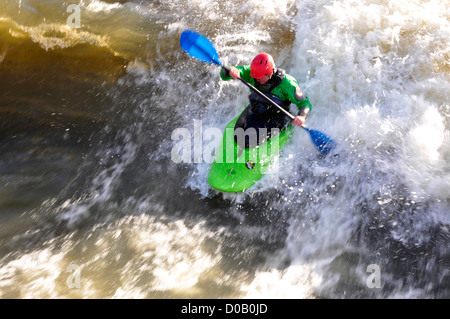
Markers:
{"x": 261, "y": 65}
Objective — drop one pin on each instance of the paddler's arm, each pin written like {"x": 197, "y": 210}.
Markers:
{"x": 304, "y": 106}
{"x": 234, "y": 72}
{"x": 296, "y": 96}
{"x": 228, "y": 73}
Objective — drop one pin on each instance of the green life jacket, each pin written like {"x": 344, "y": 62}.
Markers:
{"x": 282, "y": 85}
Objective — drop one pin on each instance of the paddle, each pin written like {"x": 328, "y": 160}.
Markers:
{"x": 199, "y": 47}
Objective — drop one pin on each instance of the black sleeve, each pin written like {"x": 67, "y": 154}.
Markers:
{"x": 225, "y": 72}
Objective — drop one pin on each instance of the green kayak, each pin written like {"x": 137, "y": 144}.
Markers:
{"x": 237, "y": 168}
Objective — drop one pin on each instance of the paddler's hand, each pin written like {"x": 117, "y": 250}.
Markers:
{"x": 234, "y": 73}
{"x": 299, "y": 120}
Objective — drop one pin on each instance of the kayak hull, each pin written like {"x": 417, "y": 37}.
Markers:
{"x": 236, "y": 169}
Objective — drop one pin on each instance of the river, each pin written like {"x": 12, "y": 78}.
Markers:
{"x": 92, "y": 204}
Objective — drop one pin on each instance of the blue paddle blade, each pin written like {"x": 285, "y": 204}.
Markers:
{"x": 323, "y": 143}
{"x": 199, "y": 47}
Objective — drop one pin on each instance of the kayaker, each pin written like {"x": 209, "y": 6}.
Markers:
{"x": 282, "y": 88}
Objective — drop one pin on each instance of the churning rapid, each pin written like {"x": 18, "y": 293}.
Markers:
{"x": 92, "y": 204}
